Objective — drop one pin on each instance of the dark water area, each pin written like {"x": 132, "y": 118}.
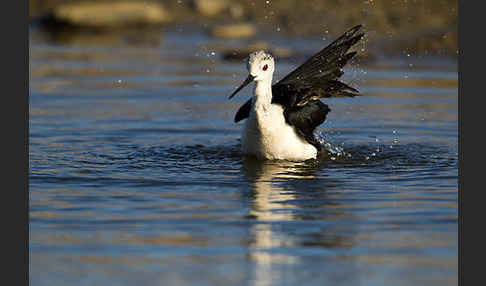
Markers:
{"x": 135, "y": 173}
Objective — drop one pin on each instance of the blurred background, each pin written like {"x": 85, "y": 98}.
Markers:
{"x": 135, "y": 174}
{"x": 394, "y": 27}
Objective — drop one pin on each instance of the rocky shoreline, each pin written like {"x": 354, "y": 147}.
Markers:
{"x": 393, "y": 27}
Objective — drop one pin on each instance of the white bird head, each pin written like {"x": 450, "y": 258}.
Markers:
{"x": 261, "y": 66}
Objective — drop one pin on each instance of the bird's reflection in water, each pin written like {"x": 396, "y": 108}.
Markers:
{"x": 271, "y": 203}
{"x": 268, "y": 192}
{"x": 276, "y": 187}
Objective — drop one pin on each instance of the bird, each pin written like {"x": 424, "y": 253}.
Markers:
{"x": 281, "y": 118}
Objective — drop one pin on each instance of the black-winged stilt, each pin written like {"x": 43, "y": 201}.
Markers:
{"x": 281, "y": 118}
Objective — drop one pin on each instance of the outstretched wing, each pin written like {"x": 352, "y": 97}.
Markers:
{"x": 299, "y": 91}
{"x": 318, "y": 76}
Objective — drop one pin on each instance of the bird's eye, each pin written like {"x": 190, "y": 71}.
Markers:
{"x": 265, "y": 67}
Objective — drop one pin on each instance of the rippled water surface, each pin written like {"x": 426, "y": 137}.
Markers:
{"x": 136, "y": 174}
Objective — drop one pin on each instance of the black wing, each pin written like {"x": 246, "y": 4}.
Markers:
{"x": 244, "y": 111}
{"x": 318, "y": 76}
{"x": 300, "y": 90}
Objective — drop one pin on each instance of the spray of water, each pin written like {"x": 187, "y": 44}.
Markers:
{"x": 334, "y": 150}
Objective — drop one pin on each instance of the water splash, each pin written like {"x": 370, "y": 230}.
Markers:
{"x": 333, "y": 150}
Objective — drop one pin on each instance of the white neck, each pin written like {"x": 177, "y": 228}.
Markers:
{"x": 263, "y": 93}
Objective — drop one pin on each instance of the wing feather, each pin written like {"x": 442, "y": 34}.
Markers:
{"x": 327, "y": 61}
{"x": 318, "y": 76}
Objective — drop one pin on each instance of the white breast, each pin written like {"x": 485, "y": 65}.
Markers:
{"x": 267, "y": 136}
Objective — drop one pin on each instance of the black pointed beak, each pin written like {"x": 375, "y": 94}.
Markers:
{"x": 249, "y": 79}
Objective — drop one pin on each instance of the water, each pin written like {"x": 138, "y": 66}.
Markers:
{"x": 136, "y": 174}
